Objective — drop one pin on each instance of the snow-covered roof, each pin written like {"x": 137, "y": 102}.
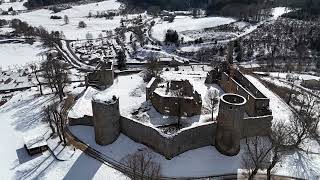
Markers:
{"x": 32, "y": 142}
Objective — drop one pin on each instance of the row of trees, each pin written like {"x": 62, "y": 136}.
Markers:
{"x": 53, "y": 73}
{"x": 48, "y": 39}
{"x": 30, "y": 4}
{"x": 248, "y": 10}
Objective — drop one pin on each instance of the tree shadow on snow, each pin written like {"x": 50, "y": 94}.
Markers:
{"x": 83, "y": 169}
{"x": 303, "y": 165}
{"x": 31, "y": 114}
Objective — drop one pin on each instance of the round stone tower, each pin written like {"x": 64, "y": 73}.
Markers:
{"x": 106, "y": 119}
{"x": 230, "y": 117}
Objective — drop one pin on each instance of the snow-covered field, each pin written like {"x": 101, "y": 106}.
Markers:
{"x": 19, "y": 54}
{"x": 95, "y": 26}
{"x": 291, "y": 75}
{"x": 183, "y": 23}
{"x": 18, "y": 5}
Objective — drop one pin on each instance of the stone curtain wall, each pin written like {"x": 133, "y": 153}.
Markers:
{"x": 169, "y": 146}
{"x": 188, "y": 139}
{"x": 256, "y": 126}
{"x": 84, "y": 121}
{"x": 241, "y": 79}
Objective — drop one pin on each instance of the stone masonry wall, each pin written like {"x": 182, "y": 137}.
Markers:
{"x": 106, "y": 121}
{"x": 241, "y": 79}
{"x": 254, "y": 104}
{"x": 84, "y": 121}
{"x": 101, "y": 77}
{"x": 256, "y": 126}
{"x": 188, "y": 139}
{"x": 170, "y": 146}
{"x": 169, "y": 106}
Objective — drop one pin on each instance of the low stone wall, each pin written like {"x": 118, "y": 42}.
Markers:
{"x": 257, "y": 126}
{"x": 84, "y": 121}
{"x": 169, "y": 146}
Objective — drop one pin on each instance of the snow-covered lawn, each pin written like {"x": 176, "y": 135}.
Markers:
{"x": 22, "y": 116}
{"x": 183, "y": 23}
{"x": 129, "y": 88}
{"x": 12, "y": 54}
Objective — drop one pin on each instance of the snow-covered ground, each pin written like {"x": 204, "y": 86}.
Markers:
{"x": 95, "y": 26}
{"x": 183, "y": 23}
{"x": 129, "y": 88}
{"x": 19, "y": 54}
{"x": 18, "y": 5}
{"x": 200, "y": 162}
{"x": 22, "y": 116}
{"x": 291, "y": 75}
{"x": 279, "y": 11}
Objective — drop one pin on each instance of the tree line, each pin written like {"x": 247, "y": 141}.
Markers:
{"x": 30, "y": 4}
{"x": 49, "y": 39}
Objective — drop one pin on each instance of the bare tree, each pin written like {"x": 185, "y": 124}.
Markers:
{"x": 153, "y": 68}
{"x": 279, "y": 138}
{"x": 212, "y": 99}
{"x": 89, "y": 36}
{"x": 35, "y": 69}
{"x": 121, "y": 59}
{"x": 53, "y": 117}
{"x": 301, "y": 128}
{"x": 66, "y": 19}
{"x": 142, "y": 165}
{"x": 230, "y": 52}
{"x": 256, "y": 154}
{"x": 56, "y": 74}
{"x": 48, "y": 118}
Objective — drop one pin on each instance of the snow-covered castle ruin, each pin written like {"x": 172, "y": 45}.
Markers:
{"x": 243, "y": 112}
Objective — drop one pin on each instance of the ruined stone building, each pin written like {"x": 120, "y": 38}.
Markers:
{"x": 174, "y": 98}
{"x": 102, "y": 76}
